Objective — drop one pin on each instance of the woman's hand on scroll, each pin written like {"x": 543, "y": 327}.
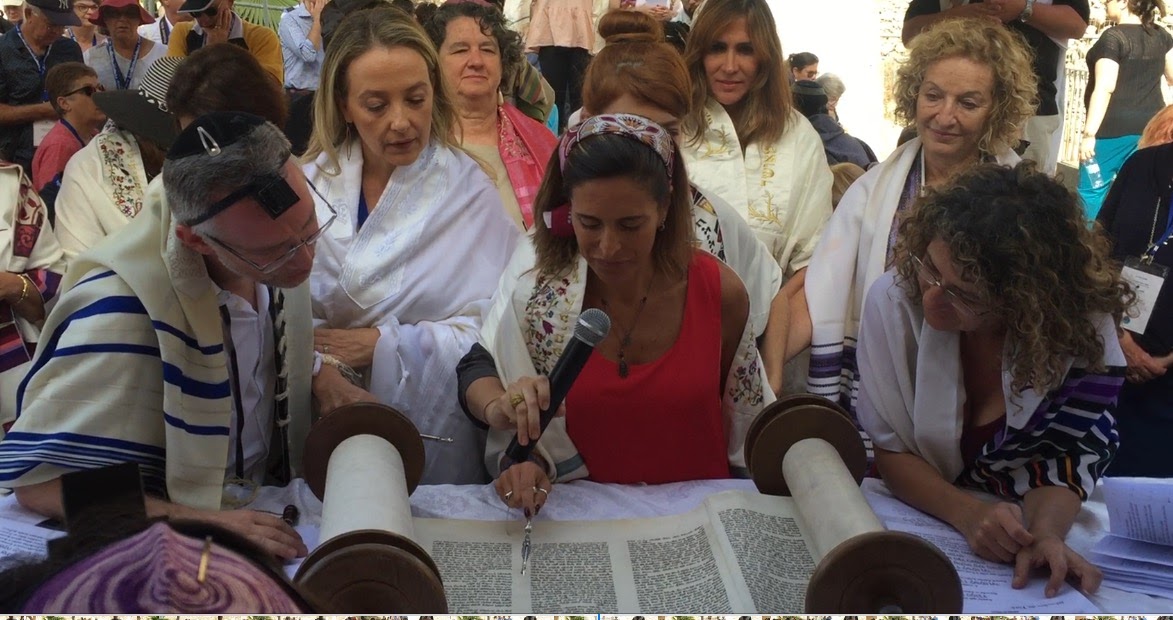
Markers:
{"x": 331, "y": 390}
{"x": 520, "y": 407}
{"x": 996, "y": 531}
{"x": 265, "y": 530}
{"x": 518, "y": 487}
{"x": 1054, "y": 554}
{"x": 355, "y": 347}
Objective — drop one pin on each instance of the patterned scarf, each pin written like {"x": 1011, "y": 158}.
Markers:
{"x": 525, "y": 147}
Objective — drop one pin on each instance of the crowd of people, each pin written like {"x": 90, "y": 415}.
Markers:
{"x": 219, "y": 234}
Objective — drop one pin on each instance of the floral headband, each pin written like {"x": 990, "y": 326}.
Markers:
{"x": 627, "y": 125}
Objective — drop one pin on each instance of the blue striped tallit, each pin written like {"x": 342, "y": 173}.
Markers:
{"x": 130, "y": 367}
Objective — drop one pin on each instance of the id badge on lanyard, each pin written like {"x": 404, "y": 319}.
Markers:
{"x": 1146, "y": 280}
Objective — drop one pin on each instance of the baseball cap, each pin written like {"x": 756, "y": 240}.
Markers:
{"x": 195, "y": 6}
{"x": 58, "y": 12}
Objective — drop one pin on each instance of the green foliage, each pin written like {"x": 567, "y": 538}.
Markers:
{"x": 265, "y": 13}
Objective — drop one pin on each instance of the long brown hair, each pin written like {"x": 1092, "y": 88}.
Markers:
{"x": 765, "y": 115}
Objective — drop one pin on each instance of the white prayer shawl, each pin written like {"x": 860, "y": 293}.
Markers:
{"x": 153, "y": 386}
{"x": 101, "y": 191}
{"x": 17, "y": 227}
{"x": 526, "y": 331}
{"x": 783, "y": 189}
{"x": 913, "y": 394}
{"x": 853, "y": 253}
{"x": 422, "y": 270}
{"x": 723, "y": 233}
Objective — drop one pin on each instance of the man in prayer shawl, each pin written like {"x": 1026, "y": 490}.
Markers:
{"x": 184, "y": 343}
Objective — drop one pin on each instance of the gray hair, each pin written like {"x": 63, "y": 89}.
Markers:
{"x": 832, "y": 85}
{"x": 194, "y": 183}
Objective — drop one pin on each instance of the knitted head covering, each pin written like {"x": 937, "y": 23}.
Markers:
{"x": 162, "y": 571}
{"x": 810, "y": 97}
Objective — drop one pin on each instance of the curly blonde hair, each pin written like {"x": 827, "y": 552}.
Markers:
{"x": 1024, "y": 240}
{"x": 1004, "y": 51}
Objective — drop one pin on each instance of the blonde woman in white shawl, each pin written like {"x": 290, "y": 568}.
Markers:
{"x": 969, "y": 88}
{"x": 401, "y": 281}
{"x": 746, "y": 144}
{"x": 669, "y": 393}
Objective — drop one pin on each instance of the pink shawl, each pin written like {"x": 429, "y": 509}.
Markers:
{"x": 525, "y": 146}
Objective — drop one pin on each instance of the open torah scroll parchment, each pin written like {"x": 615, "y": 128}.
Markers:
{"x": 737, "y": 552}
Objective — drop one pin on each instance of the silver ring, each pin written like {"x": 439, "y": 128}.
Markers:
{"x": 508, "y": 494}
{"x": 542, "y": 491}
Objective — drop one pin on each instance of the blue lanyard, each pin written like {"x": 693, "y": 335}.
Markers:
{"x": 1156, "y": 243}
{"x": 164, "y": 30}
{"x": 120, "y": 82}
{"x": 73, "y": 131}
{"x": 41, "y": 61}
{"x": 363, "y": 212}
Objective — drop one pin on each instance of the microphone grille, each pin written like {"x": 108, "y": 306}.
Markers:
{"x": 593, "y": 326}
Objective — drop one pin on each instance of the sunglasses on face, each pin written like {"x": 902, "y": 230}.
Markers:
{"x": 87, "y": 90}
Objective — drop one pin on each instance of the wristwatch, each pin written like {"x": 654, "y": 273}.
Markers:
{"x": 1027, "y": 11}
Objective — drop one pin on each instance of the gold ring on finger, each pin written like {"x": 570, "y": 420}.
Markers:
{"x": 516, "y": 400}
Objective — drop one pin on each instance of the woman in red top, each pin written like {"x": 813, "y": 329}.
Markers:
{"x": 653, "y": 403}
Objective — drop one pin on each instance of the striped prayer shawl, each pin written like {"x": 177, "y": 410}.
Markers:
{"x": 131, "y": 367}
{"x": 1068, "y": 442}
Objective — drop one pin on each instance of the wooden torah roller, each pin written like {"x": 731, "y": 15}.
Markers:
{"x": 807, "y": 447}
{"x": 363, "y": 461}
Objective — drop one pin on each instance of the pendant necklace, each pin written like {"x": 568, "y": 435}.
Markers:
{"x": 626, "y": 340}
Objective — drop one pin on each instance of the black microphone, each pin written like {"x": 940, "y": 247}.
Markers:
{"x": 592, "y": 327}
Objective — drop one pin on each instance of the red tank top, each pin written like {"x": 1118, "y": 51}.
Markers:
{"x": 663, "y": 423}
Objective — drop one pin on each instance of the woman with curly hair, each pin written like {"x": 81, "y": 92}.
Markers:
{"x": 969, "y": 88}
{"x": 479, "y": 53}
{"x": 989, "y": 360}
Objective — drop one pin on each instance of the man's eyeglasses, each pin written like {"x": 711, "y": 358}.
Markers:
{"x": 971, "y": 308}
{"x": 87, "y": 90}
{"x": 84, "y": 9}
{"x": 210, "y": 12}
{"x": 277, "y": 263}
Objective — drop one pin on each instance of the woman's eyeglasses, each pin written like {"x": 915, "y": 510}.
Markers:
{"x": 971, "y": 308}
{"x": 87, "y": 90}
